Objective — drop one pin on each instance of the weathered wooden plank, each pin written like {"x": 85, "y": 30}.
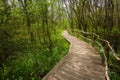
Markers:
{"x": 81, "y": 63}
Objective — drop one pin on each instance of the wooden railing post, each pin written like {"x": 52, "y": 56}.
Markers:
{"x": 107, "y": 50}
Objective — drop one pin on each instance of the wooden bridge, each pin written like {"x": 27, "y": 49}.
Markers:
{"x": 81, "y": 63}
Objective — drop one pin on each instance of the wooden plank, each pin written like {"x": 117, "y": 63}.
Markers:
{"x": 81, "y": 63}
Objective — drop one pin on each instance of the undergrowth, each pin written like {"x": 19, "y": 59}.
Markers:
{"x": 34, "y": 65}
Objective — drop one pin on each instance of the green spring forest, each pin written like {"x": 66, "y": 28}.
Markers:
{"x": 30, "y": 34}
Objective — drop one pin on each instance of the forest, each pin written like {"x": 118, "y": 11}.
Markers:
{"x": 30, "y": 33}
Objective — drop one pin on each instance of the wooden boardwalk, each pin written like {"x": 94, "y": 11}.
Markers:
{"x": 81, "y": 63}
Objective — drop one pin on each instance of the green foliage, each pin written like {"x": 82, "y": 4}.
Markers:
{"x": 30, "y": 41}
{"x": 33, "y": 64}
{"x": 114, "y": 76}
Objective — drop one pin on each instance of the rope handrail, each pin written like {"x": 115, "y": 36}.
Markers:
{"x": 103, "y": 40}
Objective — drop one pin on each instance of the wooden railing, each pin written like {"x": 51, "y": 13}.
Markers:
{"x": 94, "y": 38}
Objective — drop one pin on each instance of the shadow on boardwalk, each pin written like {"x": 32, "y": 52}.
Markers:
{"x": 81, "y": 63}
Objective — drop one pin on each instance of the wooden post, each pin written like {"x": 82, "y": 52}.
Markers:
{"x": 107, "y": 49}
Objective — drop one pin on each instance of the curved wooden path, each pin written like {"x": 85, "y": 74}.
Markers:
{"x": 81, "y": 63}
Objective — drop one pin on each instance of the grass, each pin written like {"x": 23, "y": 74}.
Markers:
{"x": 114, "y": 76}
{"x": 34, "y": 65}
